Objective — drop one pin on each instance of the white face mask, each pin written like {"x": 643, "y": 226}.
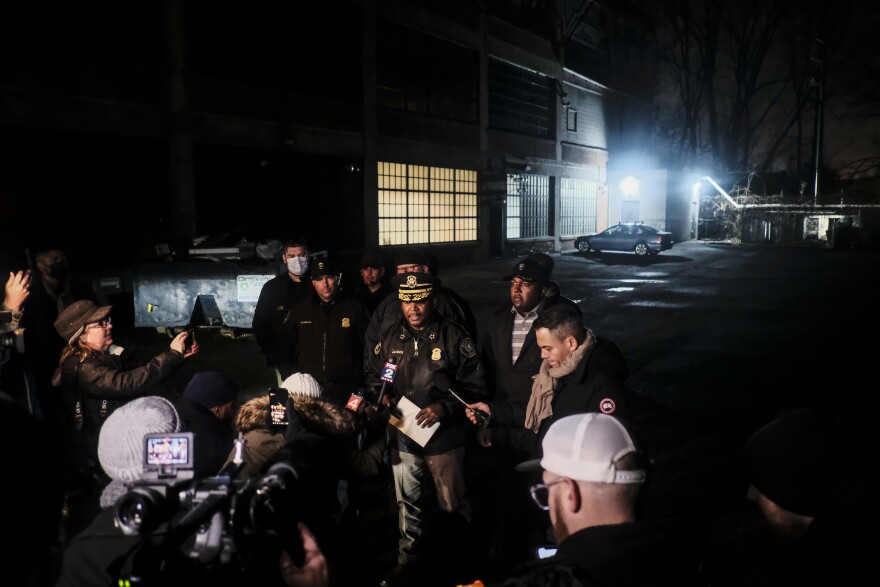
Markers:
{"x": 297, "y": 265}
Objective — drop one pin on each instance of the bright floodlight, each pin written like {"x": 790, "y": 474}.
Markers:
{"x": 629, "y": 186}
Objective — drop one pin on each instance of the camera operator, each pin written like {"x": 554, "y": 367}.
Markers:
{"x": 101, "y": 553}
{"x": 319, "y": 438}
{"x": 90, "y": 553}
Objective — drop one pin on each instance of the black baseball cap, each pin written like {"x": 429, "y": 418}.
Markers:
{"x": 528, "y": 270}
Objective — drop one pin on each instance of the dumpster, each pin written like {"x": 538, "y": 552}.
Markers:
{"x": 209, "y": 287}
{"x": 220, "y": 294}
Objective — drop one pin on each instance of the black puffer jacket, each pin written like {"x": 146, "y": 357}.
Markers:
{"x": 596, "y": 385}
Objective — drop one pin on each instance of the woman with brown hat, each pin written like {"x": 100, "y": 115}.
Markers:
{"x": 96, "y": 377}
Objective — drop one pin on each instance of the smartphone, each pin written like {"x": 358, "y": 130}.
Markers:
{"x": 190, "y": 339}
{"x": 277, "y": 405}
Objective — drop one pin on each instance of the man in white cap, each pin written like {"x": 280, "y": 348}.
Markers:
{"x": 592, "y": 475}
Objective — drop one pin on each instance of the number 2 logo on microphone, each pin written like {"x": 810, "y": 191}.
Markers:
{"x": 389, "y": 372}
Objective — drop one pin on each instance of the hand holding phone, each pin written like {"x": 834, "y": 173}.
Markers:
{"x": 190, "y": 339}
{"x": 277, "y": 408}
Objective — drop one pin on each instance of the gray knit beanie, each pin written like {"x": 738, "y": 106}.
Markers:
{"x": 121, "y": 443}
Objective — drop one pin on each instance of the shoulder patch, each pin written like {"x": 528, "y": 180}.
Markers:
{"x": 607, "y": 406}
{"x": 378, "y": 348}
{"x": 467, "y": 347}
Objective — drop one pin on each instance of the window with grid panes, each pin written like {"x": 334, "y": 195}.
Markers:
{"x": 520, "y": 100}
{"x": 577, "y": 212}
{"x": 419, "y": 204}
{"x": 528, "y": 199}
{"x": 421, "y": 73}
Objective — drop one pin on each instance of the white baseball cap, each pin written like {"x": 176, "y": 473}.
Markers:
{"x": 585, "y": 447}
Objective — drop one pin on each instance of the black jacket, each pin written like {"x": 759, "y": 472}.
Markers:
{"x": 596, "y": 385}
{"x": 510, "y": 384}
{"x": 372, "y": 299}
{"x": 326, "y": 341}
{"x": 277, "y": 297}
{"x": 388, "y": 313}
{"x": 213, "y": 437}
{"x": 430, "y": 362}
{"x": 644, "y": 554}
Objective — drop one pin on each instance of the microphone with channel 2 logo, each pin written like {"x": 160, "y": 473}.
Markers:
{"x": 356, "y": 401}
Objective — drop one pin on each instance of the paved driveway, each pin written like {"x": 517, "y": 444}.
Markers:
{"x": 718, "y": 338}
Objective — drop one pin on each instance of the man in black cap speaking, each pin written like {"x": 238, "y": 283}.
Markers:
{"x": 387, "y": 313}
{"x": 432, "y": 355}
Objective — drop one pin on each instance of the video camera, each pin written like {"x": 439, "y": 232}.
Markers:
{"x": 220, "y": 528}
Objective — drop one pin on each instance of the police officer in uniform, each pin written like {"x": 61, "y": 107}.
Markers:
{"x": 277, "y": 297}
{"x": 432, "y": 355}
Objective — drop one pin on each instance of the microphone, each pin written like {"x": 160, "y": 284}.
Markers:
{"x": 482, "y": 416}
{"x": 389, "y": 372}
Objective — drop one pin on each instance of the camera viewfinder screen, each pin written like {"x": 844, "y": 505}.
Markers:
{"x": 168, "y": 450}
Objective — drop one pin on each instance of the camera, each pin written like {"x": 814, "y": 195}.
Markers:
{"x": 220, "y": 529}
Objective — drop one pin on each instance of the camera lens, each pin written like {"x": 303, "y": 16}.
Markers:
{"x": 138, "y": 510}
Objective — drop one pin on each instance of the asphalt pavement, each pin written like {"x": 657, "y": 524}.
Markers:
{"x": 718, "y": 337}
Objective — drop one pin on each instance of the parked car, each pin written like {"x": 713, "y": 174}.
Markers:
{"x": 628, "y": 236}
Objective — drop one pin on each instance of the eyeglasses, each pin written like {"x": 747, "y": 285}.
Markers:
{"x": 541, "y": 493}
{"x": 100, "y": 324}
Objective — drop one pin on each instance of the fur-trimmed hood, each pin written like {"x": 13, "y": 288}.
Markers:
{"x": 317, "y": 415}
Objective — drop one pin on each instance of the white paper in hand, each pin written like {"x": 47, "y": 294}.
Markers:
{"x": 408, "y": 425}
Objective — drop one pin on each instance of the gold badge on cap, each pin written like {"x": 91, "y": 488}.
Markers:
{"x": 411, "y": 290}
{"x": 435, "y": 355}
{"x": 521, "y": 266}
{"x": 346, "y": 323}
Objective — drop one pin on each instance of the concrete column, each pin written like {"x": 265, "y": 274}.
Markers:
{"x": 180, "y": 139}
{"x": 370, "y": 179}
